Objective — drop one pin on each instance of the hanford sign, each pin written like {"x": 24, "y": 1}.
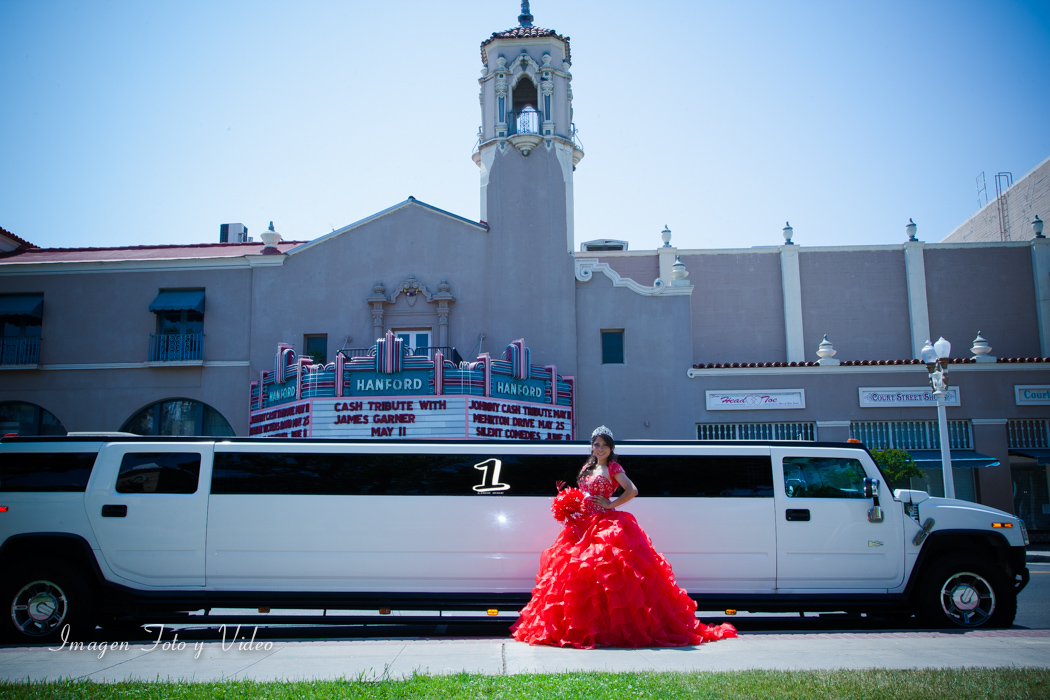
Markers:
{"x": 391, "y": 394}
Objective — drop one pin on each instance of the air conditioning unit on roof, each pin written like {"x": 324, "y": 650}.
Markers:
{"x": 233, "y": 233}
{"x": 603, "y": 244}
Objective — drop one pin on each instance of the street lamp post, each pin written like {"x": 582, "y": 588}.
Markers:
{"x": 936, "y": 358}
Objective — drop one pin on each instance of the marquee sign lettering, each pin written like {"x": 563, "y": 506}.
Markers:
{"x": 391, "y": 394}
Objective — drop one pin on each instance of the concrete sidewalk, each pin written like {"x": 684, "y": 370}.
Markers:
{"x": 269, "y": 660}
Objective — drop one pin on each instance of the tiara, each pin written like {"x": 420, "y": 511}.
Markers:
{"x": 601, "y": 430}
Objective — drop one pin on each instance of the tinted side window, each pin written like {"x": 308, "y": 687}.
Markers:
{"x": 464, "y": 475}
{"x": 160, "y": 472}
{"x": 389, "y": 474}
{"x": 45, "y": 471}
{"x": 702, "y": 477}
{"x": 823, "y": 477}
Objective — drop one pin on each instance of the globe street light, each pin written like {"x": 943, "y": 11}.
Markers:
{"x": 936, "y": 358}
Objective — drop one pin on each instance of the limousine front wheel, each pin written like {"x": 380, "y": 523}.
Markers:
{"x": 966, "y": 592}
{"x": 45, "y": 603}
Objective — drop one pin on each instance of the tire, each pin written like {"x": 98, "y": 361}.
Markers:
{"x": 966, "y": 592}
{"x": 46, "y": 603}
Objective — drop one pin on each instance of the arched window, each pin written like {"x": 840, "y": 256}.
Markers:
{"x": 178, "y": 417}
{"x": 28, "y": 419}
{"x": 526, "y": 103}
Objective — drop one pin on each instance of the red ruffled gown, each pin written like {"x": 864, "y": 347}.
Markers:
{"x": 603, "y": 585}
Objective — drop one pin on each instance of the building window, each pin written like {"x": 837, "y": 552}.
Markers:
{"x": 416, "y": 340}
{"x": 180, "y": 326}
{"x": 612, "y": 347}
{"x": 23, "y": 418}
{"x": 1029, "y": 443}
{"x": 178, "y": 417}
{"x": 315, "y": 345}
{"x": 20, "y": 322}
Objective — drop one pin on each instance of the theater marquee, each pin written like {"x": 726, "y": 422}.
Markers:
{"x": 390, "y": 394}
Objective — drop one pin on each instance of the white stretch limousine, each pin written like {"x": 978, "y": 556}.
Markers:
{"x": 110, "y": 529}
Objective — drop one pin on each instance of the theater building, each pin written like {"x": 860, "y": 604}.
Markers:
{"x": 416, "y": 322}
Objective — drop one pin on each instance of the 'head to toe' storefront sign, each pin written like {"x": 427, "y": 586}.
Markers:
{"x": 391, "y": 394}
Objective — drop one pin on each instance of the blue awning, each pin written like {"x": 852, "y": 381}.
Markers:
{"x": 22, "y": 305}
{"x": 1043, "y": 456}
{"x": 179, "y": 300}
{"x": 931, "y": 459}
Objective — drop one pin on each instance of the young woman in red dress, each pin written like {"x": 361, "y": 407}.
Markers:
{"x": 601, "y": 584}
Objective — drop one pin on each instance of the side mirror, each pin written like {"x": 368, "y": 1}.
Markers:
{"x": 871, "y": 488}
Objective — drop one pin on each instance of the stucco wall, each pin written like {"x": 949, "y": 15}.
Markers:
{"x": 529, "y": 268}
{"x": 737, "y": 306}
{"x": 968, "y": 288}
{"x": 324, "y": 288}
{"x": 103, "y": 399}
{"x": 651, "y": 384}
{"x": 93, "y": 321}
{"x": 105, "y": 317}
{"x": 643, "y": 269}
{"x": 859, "y": 299}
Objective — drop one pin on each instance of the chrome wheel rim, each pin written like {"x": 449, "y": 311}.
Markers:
{"x": 39, "y": 608}
{"x": 968, "y": 599}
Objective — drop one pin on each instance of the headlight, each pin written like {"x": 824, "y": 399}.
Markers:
{"x": 1024, "y": 531}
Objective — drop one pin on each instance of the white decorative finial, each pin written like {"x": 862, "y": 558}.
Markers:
{"x": 826, "y": 352}
{"x": 981, "y": 350}
{"x": 788, "y": 232}
{"x": 1037, "y": 227}
{"x": 270, "y": 240}
{"x": 666, "y": 235}
{"x": 270, "y": 237}
{"x": 678, "y": 272}
{"x": 911, "y": 228}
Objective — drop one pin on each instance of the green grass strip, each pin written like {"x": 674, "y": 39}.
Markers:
{"x": 1010, "y": 683}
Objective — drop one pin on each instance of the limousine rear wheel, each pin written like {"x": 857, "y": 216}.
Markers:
{"x": 966, "y": 592}
{"x": 45, "y": 603}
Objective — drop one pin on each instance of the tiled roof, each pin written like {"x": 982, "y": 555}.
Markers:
{"x": 751, "y": 365}
{"x": 143, "y": 252}
{"x": 862, "y": 363}
{"x": 525, "y": 33}
{"x": 22, "y": 243}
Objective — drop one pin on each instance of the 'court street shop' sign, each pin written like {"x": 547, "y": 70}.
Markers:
{"x": 391, "y": 394}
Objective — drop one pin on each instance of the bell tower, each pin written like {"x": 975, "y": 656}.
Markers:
{"x": 527, "y": 151}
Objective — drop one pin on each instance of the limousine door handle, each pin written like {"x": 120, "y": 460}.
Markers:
{"x": 114, "y": 511}
{"x": 797, "y": 514}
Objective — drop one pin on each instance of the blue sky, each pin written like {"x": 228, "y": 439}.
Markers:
{"x": 129, "y": 123}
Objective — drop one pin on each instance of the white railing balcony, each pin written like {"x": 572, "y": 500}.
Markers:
{"x": 176, "y": 347}
{"x": 20, "y": 351}
{"x": 911, "y": 434}
{"x": 756, "y": 431}
{"x": 527, "y": 121}
{"x": 1030, "y": 433}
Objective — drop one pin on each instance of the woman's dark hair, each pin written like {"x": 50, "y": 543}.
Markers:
{"x": 592, "y": 460}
